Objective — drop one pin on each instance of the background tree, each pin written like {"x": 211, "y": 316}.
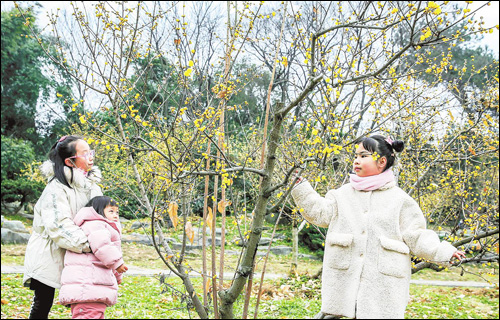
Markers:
{"x": 18, "y": 183}
{"x": 28, "y": 79}
{"x": 26, "y": 88}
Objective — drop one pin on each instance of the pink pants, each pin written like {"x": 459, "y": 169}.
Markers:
{"x": 88, "y": 310}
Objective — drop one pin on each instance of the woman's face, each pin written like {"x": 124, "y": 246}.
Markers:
{"x": 365, "y": 165}
{"x": 84, "y": 157}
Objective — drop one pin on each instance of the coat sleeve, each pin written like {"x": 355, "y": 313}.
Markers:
{"x": 317, "y": 210}
{"x": 58, "y": 223}
{"x": 101, "y": 244}
{"x": 423, "y": 242}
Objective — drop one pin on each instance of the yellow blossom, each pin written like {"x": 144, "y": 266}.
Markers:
{"x": 432, "y": 5}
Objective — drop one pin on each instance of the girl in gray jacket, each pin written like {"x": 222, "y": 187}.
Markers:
{"x": 372, "y": 227}
{"x": 72, "y": 182}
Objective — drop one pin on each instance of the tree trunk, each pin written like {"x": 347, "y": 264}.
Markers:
{"x": 228, "y": 297}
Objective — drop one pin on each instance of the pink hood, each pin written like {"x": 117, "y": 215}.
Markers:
{"x": 91, "y": 277}
{"x": 89, "y": 214}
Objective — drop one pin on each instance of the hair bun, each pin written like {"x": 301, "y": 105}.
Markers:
{"x": 398, "y": 145}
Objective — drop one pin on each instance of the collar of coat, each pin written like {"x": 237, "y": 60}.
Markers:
{"x": 79, "y": 179}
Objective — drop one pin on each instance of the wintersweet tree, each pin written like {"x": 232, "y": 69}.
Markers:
{"x": 177, "y": 105}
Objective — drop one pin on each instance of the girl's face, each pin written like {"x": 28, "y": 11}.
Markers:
{"x": 365, "y": 165}
{"x": 84, "y": 157}
{"x": 111, "y": 213}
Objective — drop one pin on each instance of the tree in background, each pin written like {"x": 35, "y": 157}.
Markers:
{"x": 19, "y": 183}
{"x": 25, "y": 84}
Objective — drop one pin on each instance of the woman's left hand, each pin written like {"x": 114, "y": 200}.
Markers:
{"x": 459, "y": 255}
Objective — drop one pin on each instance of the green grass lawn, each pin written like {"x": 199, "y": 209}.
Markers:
{"x": 292, "y": 298}
{"x": 300, "y": 297}
{"x": 452, "y": 303}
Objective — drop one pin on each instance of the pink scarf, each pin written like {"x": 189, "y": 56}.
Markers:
{"x": 371, "y": 182}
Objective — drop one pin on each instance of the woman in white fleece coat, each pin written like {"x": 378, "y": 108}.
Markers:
{"x": 373, "y": 226}
{"x": 72, "y": 182}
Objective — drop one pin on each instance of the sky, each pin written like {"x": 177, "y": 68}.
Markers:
{"x": 490, "y": 17}
{"x": 489, "y": 14}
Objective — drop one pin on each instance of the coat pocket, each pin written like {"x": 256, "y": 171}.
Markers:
{"x": 339, "y": 250}
{"x": 393, "y": 258}
{"x": 102, "y": 275}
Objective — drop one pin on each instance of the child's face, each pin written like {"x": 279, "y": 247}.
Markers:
{"x": 365, "y": 165}
{"x": 111, "y": 213}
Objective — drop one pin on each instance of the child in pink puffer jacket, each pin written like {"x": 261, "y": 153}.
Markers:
{"x": 89, "y": 281}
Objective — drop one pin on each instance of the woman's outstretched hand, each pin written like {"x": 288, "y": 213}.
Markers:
{"x": 459, "y": 255}
{"x": 296, "y": 176}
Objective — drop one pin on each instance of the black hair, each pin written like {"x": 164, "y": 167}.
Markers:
{"x": 100, "y": 203}
{"x": 64, "y": 148}
{"x": 378, "y": 143}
